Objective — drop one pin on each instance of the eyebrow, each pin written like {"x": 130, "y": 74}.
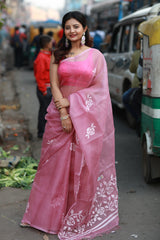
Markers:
{"x": 76, "y": 24}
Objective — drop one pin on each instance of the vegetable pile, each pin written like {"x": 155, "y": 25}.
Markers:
{"x": 21, "y": 176}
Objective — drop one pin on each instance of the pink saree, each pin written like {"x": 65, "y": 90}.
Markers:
{"x": 74, "y": 193}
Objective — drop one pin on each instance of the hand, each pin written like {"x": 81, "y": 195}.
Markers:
{"x": 67, "y": 125}
{"x": 62, "y": 103}
{"x": 44, "y": 93}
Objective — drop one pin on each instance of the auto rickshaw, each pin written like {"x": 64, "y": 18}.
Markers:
{"x": 150, "y": 108}
{"x": 52, "y": 26}
{"x": 48, "y": 26}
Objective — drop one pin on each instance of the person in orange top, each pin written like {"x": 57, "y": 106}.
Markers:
{"x": 41, "y": 73}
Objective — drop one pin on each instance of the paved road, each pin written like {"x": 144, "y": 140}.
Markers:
{"x": 139, "y": 204}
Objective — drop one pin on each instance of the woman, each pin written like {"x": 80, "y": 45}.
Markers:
{"x": 74, "y": 193}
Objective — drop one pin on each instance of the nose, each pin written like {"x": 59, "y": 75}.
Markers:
{"x": 72, "y": 29}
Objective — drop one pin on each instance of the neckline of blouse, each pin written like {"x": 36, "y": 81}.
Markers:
{"x": 76, "y": 55}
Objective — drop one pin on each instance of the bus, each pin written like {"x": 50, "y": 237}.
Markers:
{"x": 106, "y": 14}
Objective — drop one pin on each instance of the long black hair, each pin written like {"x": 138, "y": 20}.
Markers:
{"x": 61, "y": 51}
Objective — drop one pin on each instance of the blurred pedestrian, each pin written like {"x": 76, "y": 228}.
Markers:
{"x": 23, "y": 36}
{"x": 74, "y": 193}
{"x": 36, "y": 41}
{"x": 98, "y": 38}
{"x": 41, "y": 73}
{"x": 132, "y": 97}
{"x": 109, "y": 33}
{"x": 51, "y": 34}
{"x": 16, "y": 43}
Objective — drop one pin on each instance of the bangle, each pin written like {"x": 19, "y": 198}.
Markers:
{"x": 65, "y": 117}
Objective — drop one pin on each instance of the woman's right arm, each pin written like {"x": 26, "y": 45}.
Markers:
{"x": 57, "y": 95}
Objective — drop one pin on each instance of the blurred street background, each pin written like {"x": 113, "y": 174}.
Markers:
{"x": 139, "y": 203}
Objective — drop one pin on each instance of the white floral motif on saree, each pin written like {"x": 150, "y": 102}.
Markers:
{"x": 90, "y": 131}
{"x": 105, "y": 211}
{"x": 89, "y": 102}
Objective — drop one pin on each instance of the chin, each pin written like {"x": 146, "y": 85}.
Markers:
{"x": 75, "y": 40}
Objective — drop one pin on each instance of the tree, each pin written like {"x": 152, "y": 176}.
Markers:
{"x": 2, "y": 6}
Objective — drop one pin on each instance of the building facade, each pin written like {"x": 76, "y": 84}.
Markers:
{"x": 136, "y": 4}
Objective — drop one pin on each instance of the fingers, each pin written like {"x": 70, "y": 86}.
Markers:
{"x": 62, "y": 103}
{"x": 67, "y": 129}
{"x": 58, "y": 104}
{"x": 67, "y": 125}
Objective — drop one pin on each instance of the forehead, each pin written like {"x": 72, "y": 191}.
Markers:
{"x": 72, "y": 21}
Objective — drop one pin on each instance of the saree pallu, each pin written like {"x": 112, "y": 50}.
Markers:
{"x": 74, "y": 193}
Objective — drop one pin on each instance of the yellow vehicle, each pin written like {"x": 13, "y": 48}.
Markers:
{"x": 33, "y": 30}
{"x": 47, "y": 25}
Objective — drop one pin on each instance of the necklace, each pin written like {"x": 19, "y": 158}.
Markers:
{"x": 71, "y": 53}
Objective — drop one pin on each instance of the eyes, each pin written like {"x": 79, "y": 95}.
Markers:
{"x": 75, "y": 26}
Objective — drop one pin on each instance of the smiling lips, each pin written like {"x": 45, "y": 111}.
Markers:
{"x": 72, "y": 36}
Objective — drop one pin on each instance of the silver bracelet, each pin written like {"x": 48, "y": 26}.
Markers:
{"x": 65, "y": 117}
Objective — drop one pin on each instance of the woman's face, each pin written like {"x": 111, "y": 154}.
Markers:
{"x": 73, "y": 30}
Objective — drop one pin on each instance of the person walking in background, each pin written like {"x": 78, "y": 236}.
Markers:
{"x": 108, "y": 37}
{"x": 51, "y": 34}
{"x": 98, "y": 38}
{"x": 129, "y": 97}
{"x": 23, "y": 36}
{"x": 16, "y": 43}
{"x": 74, "y": 193}
{"x": 41, "y": 73}
{"x": 36, "y": 41}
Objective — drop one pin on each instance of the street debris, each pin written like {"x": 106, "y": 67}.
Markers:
{"x": 134, "y": 236}
{"x": 15, "y": 148}
{"x": 16, "y": 171}
{"x": 132, "y": 191}
{"x": 6, "y": 160}
{"x": 45, "y": 237}
{"x": 27, "y": 149}
{"x": 3, "y": 153}
{"x": 10, "y": 162}
{"x": 17, "y": 167}
{"x": 7, "y": 107}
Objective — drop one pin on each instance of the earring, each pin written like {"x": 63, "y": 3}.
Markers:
{"x": 83, "y": 39}
{"x": 66, "y": 43}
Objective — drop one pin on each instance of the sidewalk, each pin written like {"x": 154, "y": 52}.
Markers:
{"x": 15, "y": 131}
{"x": 14, "y": 126}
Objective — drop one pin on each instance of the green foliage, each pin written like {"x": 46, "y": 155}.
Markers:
{"x": 2, "y": 6}
{"x": 1, "y": 23}
{"x": 22, "y": 175}
{"x": 3, "y": 153}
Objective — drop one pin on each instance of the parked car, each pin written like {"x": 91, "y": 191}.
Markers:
{"x": 119, "y": 54}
